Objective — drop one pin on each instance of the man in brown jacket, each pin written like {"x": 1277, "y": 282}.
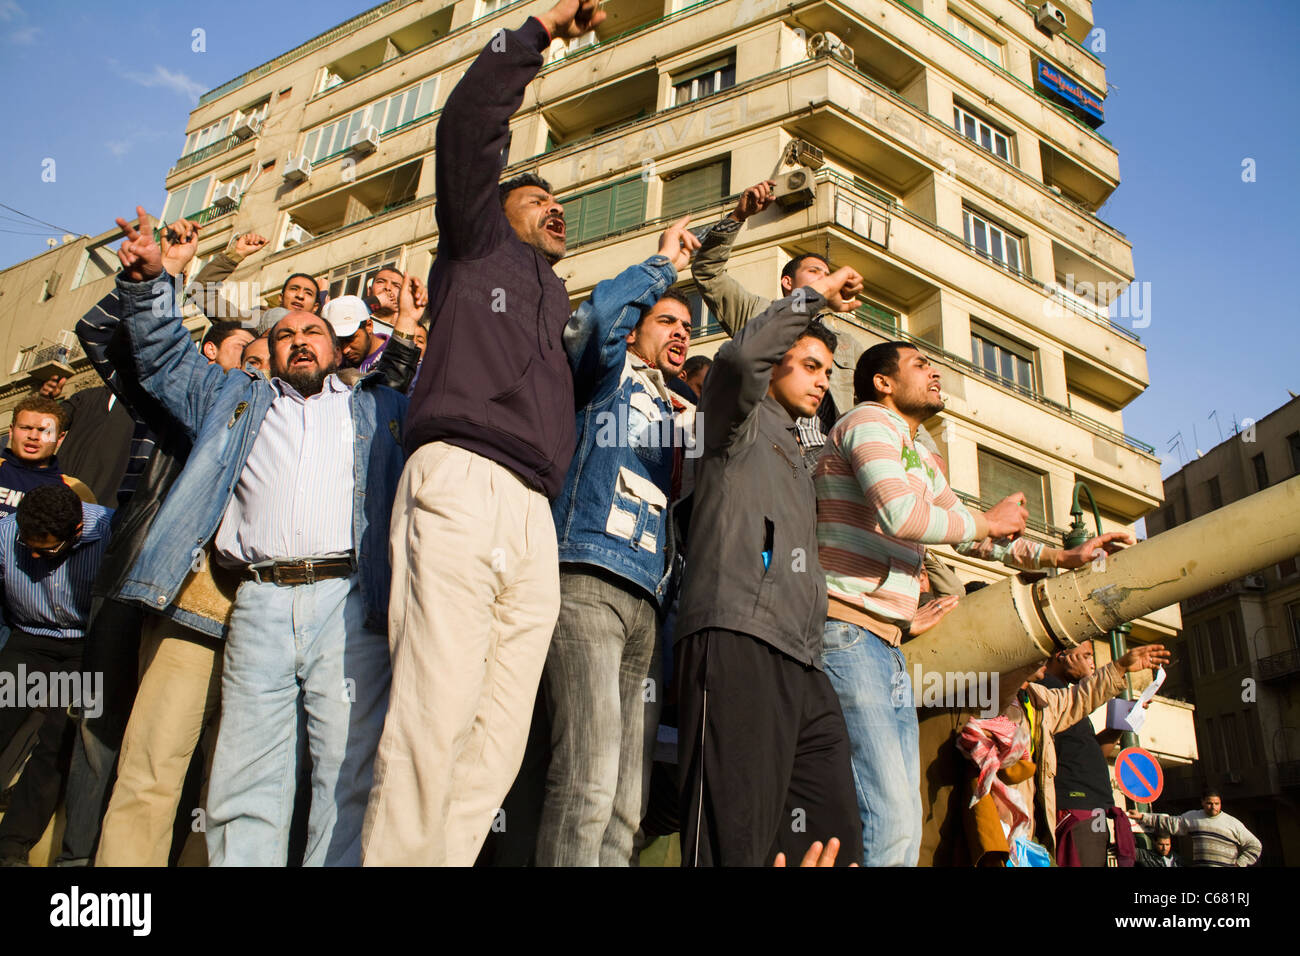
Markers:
{"x": 1050, "y": 711}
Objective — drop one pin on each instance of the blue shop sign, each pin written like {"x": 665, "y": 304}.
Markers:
{"x": 1072, "y": 92}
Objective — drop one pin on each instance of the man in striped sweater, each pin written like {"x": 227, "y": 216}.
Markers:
{"x": 1218, "y": 838}
{"x": 881, "y": 498}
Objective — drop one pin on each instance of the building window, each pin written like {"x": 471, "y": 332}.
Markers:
{"x": 354, "y": 278}
{"x": 1293, "y": 615}
{"x": 1002, "y": 360}
{"x": 186, "y": 201}
{"x": 990, "y": 241}
{"x": 1219, "y": 659}
{"x": 492, "y": 6}
{"x": 983, "y": 134}
{"x": 1293, "y": 442}
{"x": 703, "y": 321}
{"x": 1214, "y": 492}
{"x": 974, "y": 38}
{"x": 1231, "y": 744}
{"x": 695, "y": 188}
{"x": 1194, "y": 649}
{"x": 1261, "y": 471}
{"x": 1286, "y": 568}
{"x": 206, "y": 136}
{"x": 1000, "y": 477}
{"x": 1207, "y": 743}
{"x": 705, "y": 81}
{"x": 1253, "y": 741}
{"x": 604, "y": 211}
{"x": 97, "y": 262}
{"x": 386, "y": 115}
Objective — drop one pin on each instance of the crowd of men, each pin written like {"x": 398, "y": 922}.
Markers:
{"x": 381, "y": 572}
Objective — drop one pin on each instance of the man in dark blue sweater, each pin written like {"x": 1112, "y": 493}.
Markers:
{"x": 490, "y": 434}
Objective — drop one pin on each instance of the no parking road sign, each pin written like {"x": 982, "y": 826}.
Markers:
{"x": 1139, "y": 775}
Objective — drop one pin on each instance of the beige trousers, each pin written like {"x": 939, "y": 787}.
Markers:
{"x": 476, "y": 591}
{"x": 180, "y": 691}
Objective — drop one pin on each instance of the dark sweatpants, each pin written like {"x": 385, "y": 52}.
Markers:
{"x": 36, "y": 794}
{"x": 764, "y": 755}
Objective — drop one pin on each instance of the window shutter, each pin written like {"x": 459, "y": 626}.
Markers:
{"x": 629, "y": 204}
{"x": 695, "y": 188}
{"x": 999, "y": 478}
{"x": 596, "y": 209}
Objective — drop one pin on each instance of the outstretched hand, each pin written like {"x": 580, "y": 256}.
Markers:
{"x": 840, "y": 288}
{"x": 570, "y": 19}
{"x": 677, "y": 244}
{"x": 140, "y": 255}
{"x": 1144, "y": 656}
{"x": 1107, "y": 543}
{"x": 179, "y": 243}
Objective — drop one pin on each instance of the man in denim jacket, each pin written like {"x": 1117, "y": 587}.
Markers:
{"x": 612, "y": 525}
{"x": 308, "y": 626}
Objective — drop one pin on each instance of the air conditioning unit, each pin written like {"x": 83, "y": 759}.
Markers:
{"x": 795, "y": 189}
{"x": 801, "y": 153}
{"x": 68, "y": 339}
{"x": 828, "y": 44}
{"x": 1050, "y": 18}
{"x": 297, "y": 169}
{"x": 226, "y": 196}
{"x": 365, "y": 140}
{"x": 296, "y": 235}
{"x": 1253, "y": 582}
{"x": 246, "y": 126}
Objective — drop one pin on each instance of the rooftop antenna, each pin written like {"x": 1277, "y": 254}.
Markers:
{"x": 1215, "y": 415}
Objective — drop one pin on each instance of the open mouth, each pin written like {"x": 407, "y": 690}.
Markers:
{"x": 303, "y": 358}
{"x": 555, "y": 227}
{"x": 677, "y": 353}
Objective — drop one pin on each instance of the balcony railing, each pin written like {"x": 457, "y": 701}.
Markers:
{"x": 845, "y": 184}
{"x": 207, "y": 152}
{"x": 324, "y": 39}
{"x": 1277, "y": 666}
{"x": 1288, "y": 774}
{"x": 47, "y": 352}
{"x": 203, "y": 216}
{"x": 1051, "y": 534}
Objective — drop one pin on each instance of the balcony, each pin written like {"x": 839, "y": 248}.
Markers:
{"x": 207, "y": 152}
{"x": 1041, "y": 531}
{"x": 1288, "y": 775}
{"x": 1280, "y": 666}
{"x": 204, "y": 216}
{"x": 45, "y": 359}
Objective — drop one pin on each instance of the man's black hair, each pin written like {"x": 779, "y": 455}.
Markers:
{"x": 694, "y": 364}
{"x": 793, "y": 265}
{"x": 220, "y": 331}
{"x": 523, "y": 179}
{"x": 1210, "y": 792}
{"x": 880, "y": 359}
{"x": 49, "y": 510}
{"x": 815, "y": 330}
{"x": 300, "y": 275}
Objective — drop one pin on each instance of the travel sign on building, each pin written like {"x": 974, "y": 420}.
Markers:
{"x": 1084, "y": 102}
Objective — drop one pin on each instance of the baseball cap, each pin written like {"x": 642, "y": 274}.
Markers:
{"x": 269, "y": 318}
{"x": 345, "y": 314}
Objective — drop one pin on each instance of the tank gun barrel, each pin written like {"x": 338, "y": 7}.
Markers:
{"x": 1012, "y": 624}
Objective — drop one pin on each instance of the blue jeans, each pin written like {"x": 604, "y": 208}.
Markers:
{"x": 296, "y": 654}
{"x": 875, "y": 694}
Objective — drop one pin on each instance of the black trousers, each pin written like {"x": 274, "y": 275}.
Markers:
{"x": 113, "y": 649}
{"x": 764, "y": 755}
{"x": 36, "y": 794}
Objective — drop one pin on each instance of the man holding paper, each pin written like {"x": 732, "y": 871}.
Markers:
{"x": 1084, "y": 797}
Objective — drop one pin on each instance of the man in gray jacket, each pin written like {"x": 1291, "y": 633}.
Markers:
{"x": 762, "y": 742}
{"x": 734, "y": 305}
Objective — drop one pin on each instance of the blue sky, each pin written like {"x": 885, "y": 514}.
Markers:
{"x": 1198, "y": 86}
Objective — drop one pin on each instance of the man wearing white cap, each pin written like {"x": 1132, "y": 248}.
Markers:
{"x": 361, "y": 344}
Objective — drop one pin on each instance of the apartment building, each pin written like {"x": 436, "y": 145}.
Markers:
{"x": 1240, "y": 647}
{"x": 952, "y": 153}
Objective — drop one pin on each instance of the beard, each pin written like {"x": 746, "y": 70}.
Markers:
{"x": 306, "y": 382}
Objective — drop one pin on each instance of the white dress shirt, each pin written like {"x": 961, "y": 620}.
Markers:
{"x": 294, "y": 497}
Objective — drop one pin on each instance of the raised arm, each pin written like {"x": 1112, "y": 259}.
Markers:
{"x": 169, "y": 368}
{"x": 475, "y": 125}
{"x": 595, "y": 337}
{"x": 401, "y": 356}
{"x": 731, "y": 303}
{"x": 742, "y": 369}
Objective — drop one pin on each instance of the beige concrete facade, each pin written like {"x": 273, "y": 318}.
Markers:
{"x": 1239, "y": 653}
{"x": 902, "y": 196}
